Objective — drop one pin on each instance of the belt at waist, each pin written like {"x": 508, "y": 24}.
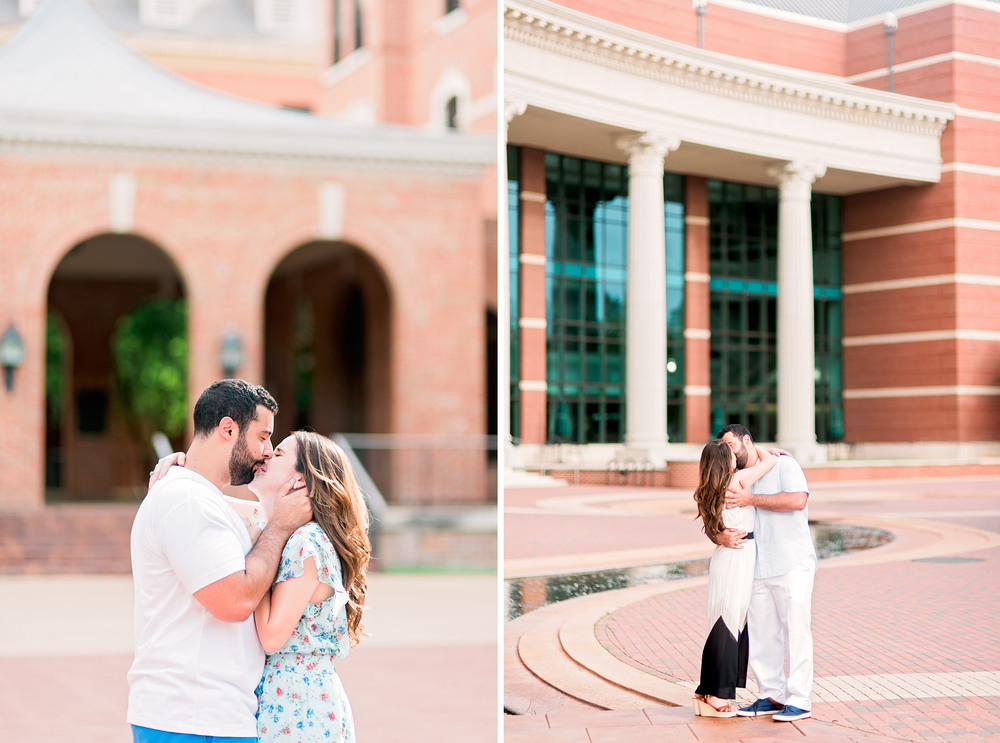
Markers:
{"x": 749, "y": 535}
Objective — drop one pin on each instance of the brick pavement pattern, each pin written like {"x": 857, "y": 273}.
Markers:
{"x": 905, "y": 650}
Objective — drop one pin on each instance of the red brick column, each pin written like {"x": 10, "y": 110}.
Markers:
{"x": 697, "y": 381}
{"x": 532, "y": 294}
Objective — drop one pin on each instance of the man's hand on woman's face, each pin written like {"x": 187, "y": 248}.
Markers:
{"x": 292, "y": 507}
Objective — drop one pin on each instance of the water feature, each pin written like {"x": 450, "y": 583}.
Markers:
{"x": 521, "y": 595}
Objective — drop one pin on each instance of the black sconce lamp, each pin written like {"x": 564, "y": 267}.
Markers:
{"x": 231, "y": 353}
{"x": 11, "y": 355}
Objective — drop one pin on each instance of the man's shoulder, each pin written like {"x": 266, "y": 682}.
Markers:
{"x": 787, "y": 463}
{"x": 788, "y": 469}
{"x": 179, "y": 488}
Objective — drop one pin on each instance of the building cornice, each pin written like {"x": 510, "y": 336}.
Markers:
{"x": 569, "y": 33}
{"x": 399, "y": 150}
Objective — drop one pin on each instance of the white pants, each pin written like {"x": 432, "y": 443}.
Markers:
{"x": 780, "y": 615}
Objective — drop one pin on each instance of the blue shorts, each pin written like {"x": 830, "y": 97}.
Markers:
{"x": 149, "y": 735}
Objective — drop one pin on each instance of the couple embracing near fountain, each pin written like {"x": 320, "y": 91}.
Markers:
{"x": 753, "y": 505}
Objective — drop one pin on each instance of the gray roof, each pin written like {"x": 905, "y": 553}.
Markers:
{"x": 66, "y": 78}
{"x": 843, "y": 11}
{"x": 65, "y": 60}
{"x": 216, "y": 19}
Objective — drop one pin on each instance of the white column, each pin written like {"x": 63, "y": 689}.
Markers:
{"x": 796, "y": 341}
{"x": 646, "y": 305}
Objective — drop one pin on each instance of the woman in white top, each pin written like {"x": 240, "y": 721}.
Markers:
{"x": 730, "y": 579}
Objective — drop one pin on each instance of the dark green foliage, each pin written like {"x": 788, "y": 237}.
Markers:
{"x": 150, "y": 351}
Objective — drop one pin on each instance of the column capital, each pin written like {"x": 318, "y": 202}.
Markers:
{"x": 797, "y": 173}
{"x": 647, "y": 150}
{"x": 513, "y": 109}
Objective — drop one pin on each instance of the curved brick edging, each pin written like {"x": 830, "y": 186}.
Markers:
{"x": 577, "y": 623}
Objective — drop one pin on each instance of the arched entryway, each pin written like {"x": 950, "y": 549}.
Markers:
{"x": 116, "y": 367}
{"x": 327, "y": 340}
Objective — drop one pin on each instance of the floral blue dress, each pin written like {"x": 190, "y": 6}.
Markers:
{"x": 300, "y": 698}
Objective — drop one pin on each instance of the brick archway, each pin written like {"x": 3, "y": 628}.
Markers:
{"x": 327, "y": 340}
{"x": 92, "y": 451}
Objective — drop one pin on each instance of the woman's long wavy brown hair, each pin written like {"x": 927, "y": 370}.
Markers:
{"x": 714, "y": 472}
{"x": 340, "y": 510}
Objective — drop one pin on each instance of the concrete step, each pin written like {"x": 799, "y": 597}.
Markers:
{"x": 547, "y": 667}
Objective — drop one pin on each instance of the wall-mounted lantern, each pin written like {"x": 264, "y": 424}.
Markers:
{"x": 231, "y": 352}
{"x": 11, "y": 355}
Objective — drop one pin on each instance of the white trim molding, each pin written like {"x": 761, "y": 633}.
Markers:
{"x": 927, "y": 336}
{"x": 973, "y": 168}
{"x": 533, "y": 323}
{"x": 698, "y": 334}
{"x": 917, "y": 64}
{"x": 121, "y": 202}
{"x": 576, "y": 65}
{"x": 956, "y": 390}
{"x": 331, "y": 197}
{"x": 532, "y": 259}
{"x": 918, "y": 282}
{"x": 930, "y": 225}
{"x": 695, "y": 390}
{"x": 530, "y": 385}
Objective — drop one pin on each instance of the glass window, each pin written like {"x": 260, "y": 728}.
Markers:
{"x": 587, "y": 258}
{"x": 357, "y": 24}
{"x": 743, "y": 261}
{"x": 513, "y": 265}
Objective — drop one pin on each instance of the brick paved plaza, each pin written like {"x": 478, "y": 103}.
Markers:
{"x": 427, "y": 674}
{"x": 906, "y": 644}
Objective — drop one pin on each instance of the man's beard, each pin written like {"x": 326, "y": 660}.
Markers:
{"x": 242, "y": 463}
{"x": 741, "y": 457}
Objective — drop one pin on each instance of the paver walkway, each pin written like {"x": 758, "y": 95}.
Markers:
{"x": 906, "y": 636}
{"x": 427, "y": 674}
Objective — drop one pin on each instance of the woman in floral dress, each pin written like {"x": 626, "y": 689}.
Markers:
{"x": 313, "y": 614}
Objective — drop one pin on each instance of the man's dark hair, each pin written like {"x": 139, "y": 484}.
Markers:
{"x": 736, "y": 429}
{"x": 234, "y": 398}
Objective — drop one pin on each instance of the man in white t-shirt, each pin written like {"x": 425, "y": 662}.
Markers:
{"x": 198, "y": 578}
{"x": 781, "y": 601}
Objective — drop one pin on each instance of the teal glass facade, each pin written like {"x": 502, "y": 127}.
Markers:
{"x": 513, "y": 285}
{"x": 743, "y": 266}
{"x": 586, "y": 229}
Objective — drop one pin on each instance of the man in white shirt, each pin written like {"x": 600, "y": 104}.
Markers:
{"x": 781, "y": 602}
{"x": 198, "y": 578}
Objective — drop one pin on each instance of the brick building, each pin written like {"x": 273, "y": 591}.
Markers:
{"x": 779, "y": 213}
{"x": 339, "y": 232}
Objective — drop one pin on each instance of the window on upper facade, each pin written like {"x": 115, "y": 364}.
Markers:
{"x": 357, "y": 25}
{"x": 166, "y": 13}
{"x": 279, "y": 16}
{"x": 451, "y": 113}
{"x": 336, "y": 31}
{"x": 450, "y": 5}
